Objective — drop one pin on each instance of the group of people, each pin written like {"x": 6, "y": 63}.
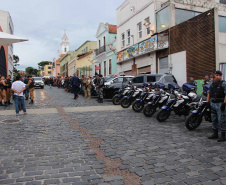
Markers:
{"x": 21, "y": 86}
{"x": 86, "y": 86}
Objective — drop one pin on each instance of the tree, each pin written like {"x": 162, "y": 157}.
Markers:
{"x": 42, "y": 64}
{"x": 16, "y": 60}
{"x": 31, "y": 71}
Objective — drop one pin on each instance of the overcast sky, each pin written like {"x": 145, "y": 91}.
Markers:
{"x": 43, "y": 22}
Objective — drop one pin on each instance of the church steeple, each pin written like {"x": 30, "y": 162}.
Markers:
{"x": 65, "y": 44}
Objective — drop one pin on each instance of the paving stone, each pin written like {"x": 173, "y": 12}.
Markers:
{"x": 52, "y": 181}
{"x": 112, "y": 178}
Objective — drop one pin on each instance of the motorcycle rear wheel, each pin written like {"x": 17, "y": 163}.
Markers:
{"x": 125, "y": 103}
{"x": 193, "y": 121}
{"x": 115, "y": 100}
{"x": 137, "y": 106}
{"x": 163, "y": 115}
{"x": 149, "y": 110}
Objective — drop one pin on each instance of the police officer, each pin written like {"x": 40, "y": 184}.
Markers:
{"x": 31, "y": 88}
{"x": 192, "y": 81}
{"x": 8, "y": 89}
{"x": 84, "y": 86}
{"x": 26, "y": 92}
{"x": 207, "y": 80}
{"x": 3, "y": 91}
{"x": 217, "y": 101}
{"x": 101, "y": 88}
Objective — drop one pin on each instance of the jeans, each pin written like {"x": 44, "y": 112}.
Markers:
{"x": 17, "y": 101}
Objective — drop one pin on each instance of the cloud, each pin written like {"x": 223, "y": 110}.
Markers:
{"x": 43, "y": 22}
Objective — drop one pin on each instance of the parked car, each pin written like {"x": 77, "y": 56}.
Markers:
{"x": 165, "y": 79}
{"x": 111, "y": 87}
{"x": 38, "y": 82}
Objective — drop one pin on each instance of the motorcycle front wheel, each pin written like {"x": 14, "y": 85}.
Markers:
{"x": 163, "y": 115}
{"x": 149, "y": 110}
{"x": 115, "y": 100}
{"x": 137, "y": 106}
{"x": 125, "y": 103}
{"x": 193, "y": 121}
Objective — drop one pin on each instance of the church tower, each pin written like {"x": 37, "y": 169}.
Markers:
{"x": 65, "y": 44}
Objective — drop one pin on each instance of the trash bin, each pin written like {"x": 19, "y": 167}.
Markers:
{"x": 199, "y": 86}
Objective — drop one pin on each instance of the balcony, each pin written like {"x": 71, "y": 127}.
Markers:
{"x": 100, "y": 50}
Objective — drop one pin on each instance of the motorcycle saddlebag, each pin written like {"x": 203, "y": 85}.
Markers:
{"x": 159, "y": 85}
{"x": 173, "y": 86}
{"x": 188, "y": 88}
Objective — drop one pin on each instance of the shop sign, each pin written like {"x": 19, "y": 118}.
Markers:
{"x": 97, "y": 68}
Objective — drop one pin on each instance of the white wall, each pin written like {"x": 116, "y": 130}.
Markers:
{"x": 128, "y": 20}
{"x": 178, "y": 61}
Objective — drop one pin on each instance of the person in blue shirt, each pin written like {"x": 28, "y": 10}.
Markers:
{"x": 75, "y": 82}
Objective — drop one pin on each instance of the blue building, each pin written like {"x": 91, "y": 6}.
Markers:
{"x": 105, "y": 57}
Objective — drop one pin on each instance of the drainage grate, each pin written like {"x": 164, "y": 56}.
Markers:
{"x": 10, "y": 121}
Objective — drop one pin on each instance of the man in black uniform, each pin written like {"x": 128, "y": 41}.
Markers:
{"x": 26, "y": 92}
{"x": 101, "y": 89}
{"x": 217, "y": 101}
{"x": 192, "y": 81}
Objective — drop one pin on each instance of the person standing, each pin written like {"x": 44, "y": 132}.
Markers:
{"x": 8, "y": 89}
{"x": 18, "y": 87}
{"x": 84, "y": 87}
{"x": 26, "y": 92}
{"x": 101, "y": 88}
{"x": 75, "y": 82}
{"x": 3, "y": 91}
{"x": 207, "y": 80}
{"x": 216, "y": 99}
{"x": 192, "y": 81}
{"x": 31, "y": 88}
{"x": 89, "y": 87}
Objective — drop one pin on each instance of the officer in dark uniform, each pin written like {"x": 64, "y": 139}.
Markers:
{"x": 101, "y": 88}
{"x": 8, "y": 89}
{"x": 217, "y": 100}
{"x": 31, "y": 88}
{"x": 26, "y": 92}
{"x": 192, "y": 81}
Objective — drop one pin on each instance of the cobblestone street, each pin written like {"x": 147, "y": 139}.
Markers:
{"x": 82, "y": 142}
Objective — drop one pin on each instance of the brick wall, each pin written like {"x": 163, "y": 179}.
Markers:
{"x": 197, "y": 37}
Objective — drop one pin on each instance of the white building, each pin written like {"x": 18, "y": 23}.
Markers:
{"x": 64, "y": 44}
{"x": 7, "y": 26}
{"x": 143, "y": 34}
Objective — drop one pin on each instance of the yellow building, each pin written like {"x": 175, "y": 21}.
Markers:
{"x": 86, "y": 47}
{"x": 83, "y": 64}
{"x": 48, "y": 70}
{"x": 65, "y": 61}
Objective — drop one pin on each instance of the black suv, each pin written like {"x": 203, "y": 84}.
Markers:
{"x": 111, "y": 89}
{"x": 162, "y": 78}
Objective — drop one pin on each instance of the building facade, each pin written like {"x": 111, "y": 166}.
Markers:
{"x": 105, "y": 58}
{"x": 48, "y": 70}
{"x": 3, "y": 59}
{"x": 160, "y": 32}
{"x": 64, "y": 61}
{"x": 84, "y": 49}
{"x": 7, "y": 27}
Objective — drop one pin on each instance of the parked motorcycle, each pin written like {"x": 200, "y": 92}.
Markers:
{"x": 144, "y": 98}
{"x": 132, "y": 95}
{"x": 180, "y": 104}
{"x": 159, "y": 100}
{"x": 195, "y": 117}
{"x": 121, "y": 93}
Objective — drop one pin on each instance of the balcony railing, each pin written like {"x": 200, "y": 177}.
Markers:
{"x": 100, "y": 50}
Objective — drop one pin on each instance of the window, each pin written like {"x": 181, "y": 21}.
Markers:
{"x": 153, "y": 78}
{"x": 49, "y": 72}
{"x": 109, "y": 64}
{"x": 223, "y": 1}
{"x": 65, "y": 49}
{"x": 128, "y": 36}
{"x": 105, "y": 68}
{"x": 120, "y": 79}
{"x": 147, "y": 27}
{"x": 169, "y": 79}
{"x": 49, "y": 67}
{"x": 163, "y": 18}
{"x": 86, "y": 49}
{"x": 163, "y": 65}
{"x": 139, "y": 30}
{"x": 183, "y": 15}
{"x": 222, "y": 24}
{"x": 138, "y": 79}
{"x": 123, "y": 40}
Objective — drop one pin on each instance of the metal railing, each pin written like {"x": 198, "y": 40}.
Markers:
{"x": 100, "y": 50}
